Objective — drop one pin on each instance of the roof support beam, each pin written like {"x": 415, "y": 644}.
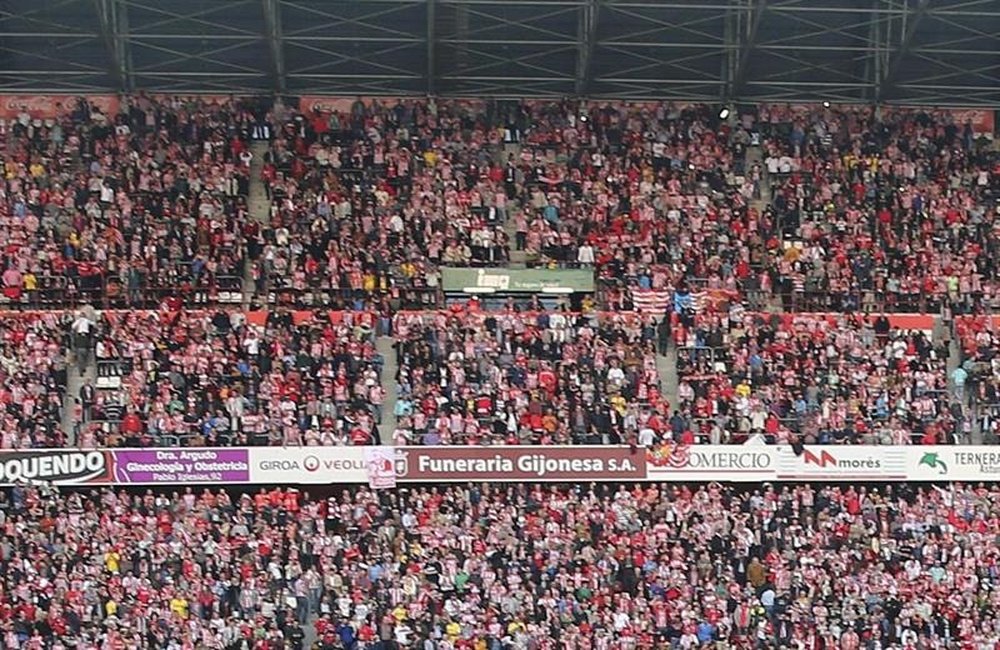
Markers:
{"x": 431, "y": 44}
{"x": 589, "y": 13}
{"x": 747, "y": 42}
{"x": 889, "y": 75}
{"x": 113, "y": 17}
{"x": 275, "y": 40}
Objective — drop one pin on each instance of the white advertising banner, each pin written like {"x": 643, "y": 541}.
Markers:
{"x": 305, "y": 465}
{"x": 841, "y": 463}
{"x": 960, "y": 463}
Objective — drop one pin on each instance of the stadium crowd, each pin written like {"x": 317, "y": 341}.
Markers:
{"x": 366, "y": 204}
{"x": 616, "y": 567}
{"x": 897, "y": 211}
{"x": 201, "y": 378}
{"x": 124, "y": 209}
{"x": 149, "y": 206}
{"x": 525, "y": 378}
{"x": 32, "y": 379}
{"x": 230, "y": 377}
{"x": 977, "y": 380}
{"x": 813, "y": 378}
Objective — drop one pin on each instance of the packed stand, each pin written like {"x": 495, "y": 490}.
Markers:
{"x": 811, "y": 379}
{"x": 525, "y": 378}
{"x": 652, "y": 195}
{"x": 889, "y": 214}
{"x": 502, "y": 568}
{"x": 126, "y": 208}
{"x": 368, "y": 203}
{"x": 214, "y": 378}
{"x": 976, "y": 381}
{"x": 33, "y": 376}
{"x": 381, "y": 196}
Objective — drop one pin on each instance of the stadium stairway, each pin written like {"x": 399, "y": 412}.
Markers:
{"x": 309, "y": 632}
{"x": 755, "y": 156}
{"x": 258, "y": 205}
{"x": 944, "y": 332}
{"x": 385, "y": 347}
{"x": 518, "y": 259}
{"x": 74, "y": 381}
{"x": 666, "y": 370}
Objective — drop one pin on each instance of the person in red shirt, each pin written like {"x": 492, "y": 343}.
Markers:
{"x": 131, "y": 425}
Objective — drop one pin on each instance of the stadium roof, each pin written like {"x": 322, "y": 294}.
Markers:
{"x": 928, "y": 52}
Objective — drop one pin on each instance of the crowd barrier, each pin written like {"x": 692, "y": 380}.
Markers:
{"x": 388, "y": 466}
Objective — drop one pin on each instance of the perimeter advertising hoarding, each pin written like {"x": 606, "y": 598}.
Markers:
{"x": 332, "y": 465}
{"x": 58, "y": 467}
{"x": 965, "y": 464}
{"x": 49, "y": 106}
{"x": 308, "y": 465}
{"x": 164, "y": 466}
{"x": 126, "y": 466}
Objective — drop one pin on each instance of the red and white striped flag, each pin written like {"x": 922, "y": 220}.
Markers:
{"x": 652, "y": 301}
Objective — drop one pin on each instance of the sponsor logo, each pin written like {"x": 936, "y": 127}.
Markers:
{"x": 690, "y": 458}
{"x": 983, "y": 462}
{"x": 511, "y": 463}
{"x": 171, "y": 465}
{"x": 498, "y": 281}
{"x": 311, "y": 464}
{"x": 55, "y": 467}
{"x": 932, "y": 460}
{"x": 402, "y": 463}
{"x": 283, "y": 465}
{"x": 826, "y": 459}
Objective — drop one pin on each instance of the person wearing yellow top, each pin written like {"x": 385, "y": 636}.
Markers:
{"x": 179, "y": 606}
{"x": 430, "y": 157}
{"x": 399, "y": 614}
{"x": 112, "y": 561}
{"x": 619, "y": 404}
{"x": 743, "y": 390}
{"x": 111, "y": 608}
{"x": 453, "y": 630}
{"x": 37, "y": 170}
{"x": 514, "y": 627}
{"x": 30, "y": 281}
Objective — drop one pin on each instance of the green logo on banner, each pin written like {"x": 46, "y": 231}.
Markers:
{"x": 931, "y": 460}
